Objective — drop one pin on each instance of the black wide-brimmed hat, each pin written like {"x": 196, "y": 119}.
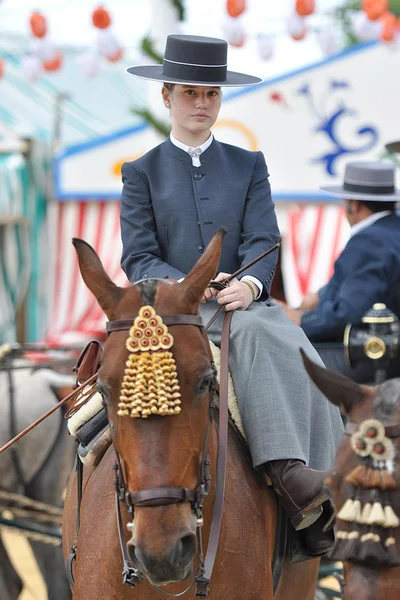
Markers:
{"x": 374, "y": 181}
{"x": 194, "y": 60}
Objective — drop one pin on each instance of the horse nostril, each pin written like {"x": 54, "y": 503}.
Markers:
{"x": 131, "y": 552}
{"x": 184, "y": 551}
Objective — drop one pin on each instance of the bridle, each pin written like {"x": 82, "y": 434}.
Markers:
{"x": 168, "y": 495}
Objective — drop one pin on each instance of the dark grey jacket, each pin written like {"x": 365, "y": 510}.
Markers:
{"x": 170, "y": 210}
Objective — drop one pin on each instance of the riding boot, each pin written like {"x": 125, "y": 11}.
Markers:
{"x": 301, "y": 490}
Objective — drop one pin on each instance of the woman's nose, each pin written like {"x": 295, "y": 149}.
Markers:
{"x": 202, "y": 101}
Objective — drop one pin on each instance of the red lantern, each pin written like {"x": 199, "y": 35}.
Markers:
{"x": 38, "y": 25}
{"x": 389, "y": 23}
{"x": 101, "y": 18}
{"x": 117, "y": 56}
{"x": 235, "y": 7}
{"x": 1, "y": 68}
{"x": 305, "y": 8}
{"x": 54, "y": 64}
{"x": 375, "y": 9}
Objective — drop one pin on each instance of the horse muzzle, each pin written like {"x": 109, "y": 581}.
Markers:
{"x": 171, "y": 566}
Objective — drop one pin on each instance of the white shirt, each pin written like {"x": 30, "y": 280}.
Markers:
{"x": 195, "y": 159}
{"x": 368, "y": 221}
{"x": 196, "y": 163}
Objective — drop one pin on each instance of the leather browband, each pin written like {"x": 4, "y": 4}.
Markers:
{"x": 391, "y": 431}
{"x": 126, "y": 324}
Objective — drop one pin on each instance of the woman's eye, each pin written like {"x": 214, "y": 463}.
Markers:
{"x": 213, "y": 93}
{"x": 190, "y": 92}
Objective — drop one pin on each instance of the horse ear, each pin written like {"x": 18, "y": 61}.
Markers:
{"x": 339, "y": 389}
{"x": 195, "y": 283}
{"x": 96, "y": 279}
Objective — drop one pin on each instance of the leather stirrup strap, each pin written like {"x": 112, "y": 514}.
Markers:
{"x": 222, "y": 453}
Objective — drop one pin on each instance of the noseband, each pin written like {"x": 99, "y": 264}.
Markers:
{"x": 167, "y": 495}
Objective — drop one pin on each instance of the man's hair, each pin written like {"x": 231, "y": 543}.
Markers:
{"x": 169, "y": 86}
{"x": 376, "y": 206}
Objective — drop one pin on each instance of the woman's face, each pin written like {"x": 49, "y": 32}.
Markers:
{"x": 193, "y": 108}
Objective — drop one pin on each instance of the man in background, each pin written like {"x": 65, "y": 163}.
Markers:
{"x": 368, "y": 269}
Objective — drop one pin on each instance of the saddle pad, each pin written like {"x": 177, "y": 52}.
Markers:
{"x": 92, "y": 454}
{"x": 233, "y": 404}
{"x": 94, "y": 406}
{"x": 85, "y": 413}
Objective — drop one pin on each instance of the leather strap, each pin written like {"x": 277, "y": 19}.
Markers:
{"x": 126, "y": 324}
{"x": 222, "y": 456}
{"x": 391, "y": 431}
{"x": 88, "y": 362}
{"x": 160, "y": 496}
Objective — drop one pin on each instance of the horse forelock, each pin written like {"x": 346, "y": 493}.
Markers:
{"x": 148, "y": 289}
{"x": 387, "y": 399}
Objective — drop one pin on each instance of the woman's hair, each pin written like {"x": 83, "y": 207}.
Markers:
{"x": 378, "y": 206}
{"x": 169, "y": 86}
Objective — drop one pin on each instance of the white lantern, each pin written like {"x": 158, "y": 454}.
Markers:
{"x": 364, "y": 29}
{"x": 296, "y": 26}
{"x": 327, "y": 40}
{"x": 107, "y": 43}
{"x": 89, "y": 63}
{"x": 266, "y": 46}
{"x": 234, "y": 32}
{"x": 32, "y": 68}
{"x": 43, "y": 48}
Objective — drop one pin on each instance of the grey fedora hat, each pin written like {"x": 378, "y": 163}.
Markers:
{"x": 194, "y": 60}
{"x": 374, "y": 181}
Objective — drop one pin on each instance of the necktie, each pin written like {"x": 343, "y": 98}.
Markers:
{"x": 195, "y": 154}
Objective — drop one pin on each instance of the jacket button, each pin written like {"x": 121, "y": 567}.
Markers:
{"x": 200, "y": 248}
{"x": 197, "y": 175}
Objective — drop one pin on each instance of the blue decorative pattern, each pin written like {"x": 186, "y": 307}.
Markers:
{"x": 329, "y": 122}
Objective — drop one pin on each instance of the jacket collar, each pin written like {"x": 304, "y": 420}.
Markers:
{"x": 176, "y": 152}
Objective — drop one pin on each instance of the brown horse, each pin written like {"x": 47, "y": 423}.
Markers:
{"x": 368, "y": 574}
{"x": 166, "y": 451}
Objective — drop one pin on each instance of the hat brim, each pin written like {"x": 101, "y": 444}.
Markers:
{"x": 154, "y": 73}
{"x": 339, "y": 192}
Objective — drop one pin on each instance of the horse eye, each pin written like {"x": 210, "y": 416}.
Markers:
{"x": 204, "y": 385}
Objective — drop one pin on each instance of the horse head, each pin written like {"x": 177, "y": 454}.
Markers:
{"x": 156, "y": 379}
{"x": 365, "y": 482}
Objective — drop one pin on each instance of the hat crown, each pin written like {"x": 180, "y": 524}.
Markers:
{"x": 196, "y": 50}
{"x": 370, "y": 173}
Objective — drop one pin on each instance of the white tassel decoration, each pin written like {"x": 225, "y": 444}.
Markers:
{"x": 346, "y": 512}
{"x": 365, "y": 513}
{"x": 390, "y": 542}
{"x": 376, "y": 516}
{"x": 391, "y": 519}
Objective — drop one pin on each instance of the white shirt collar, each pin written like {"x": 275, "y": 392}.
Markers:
{"x": 186, "y": 148}
{"x": 368, "y": 221}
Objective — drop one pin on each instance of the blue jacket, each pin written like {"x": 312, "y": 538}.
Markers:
{"x": 170, "y": 211}
{"x": 367, "y": 271}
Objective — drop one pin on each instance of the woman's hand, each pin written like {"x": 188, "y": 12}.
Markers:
{"x": 237, "y": 296}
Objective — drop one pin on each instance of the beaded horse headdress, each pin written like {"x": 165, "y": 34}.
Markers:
{"x": 150, "y": 384}
{"x": 367, "y": 518}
